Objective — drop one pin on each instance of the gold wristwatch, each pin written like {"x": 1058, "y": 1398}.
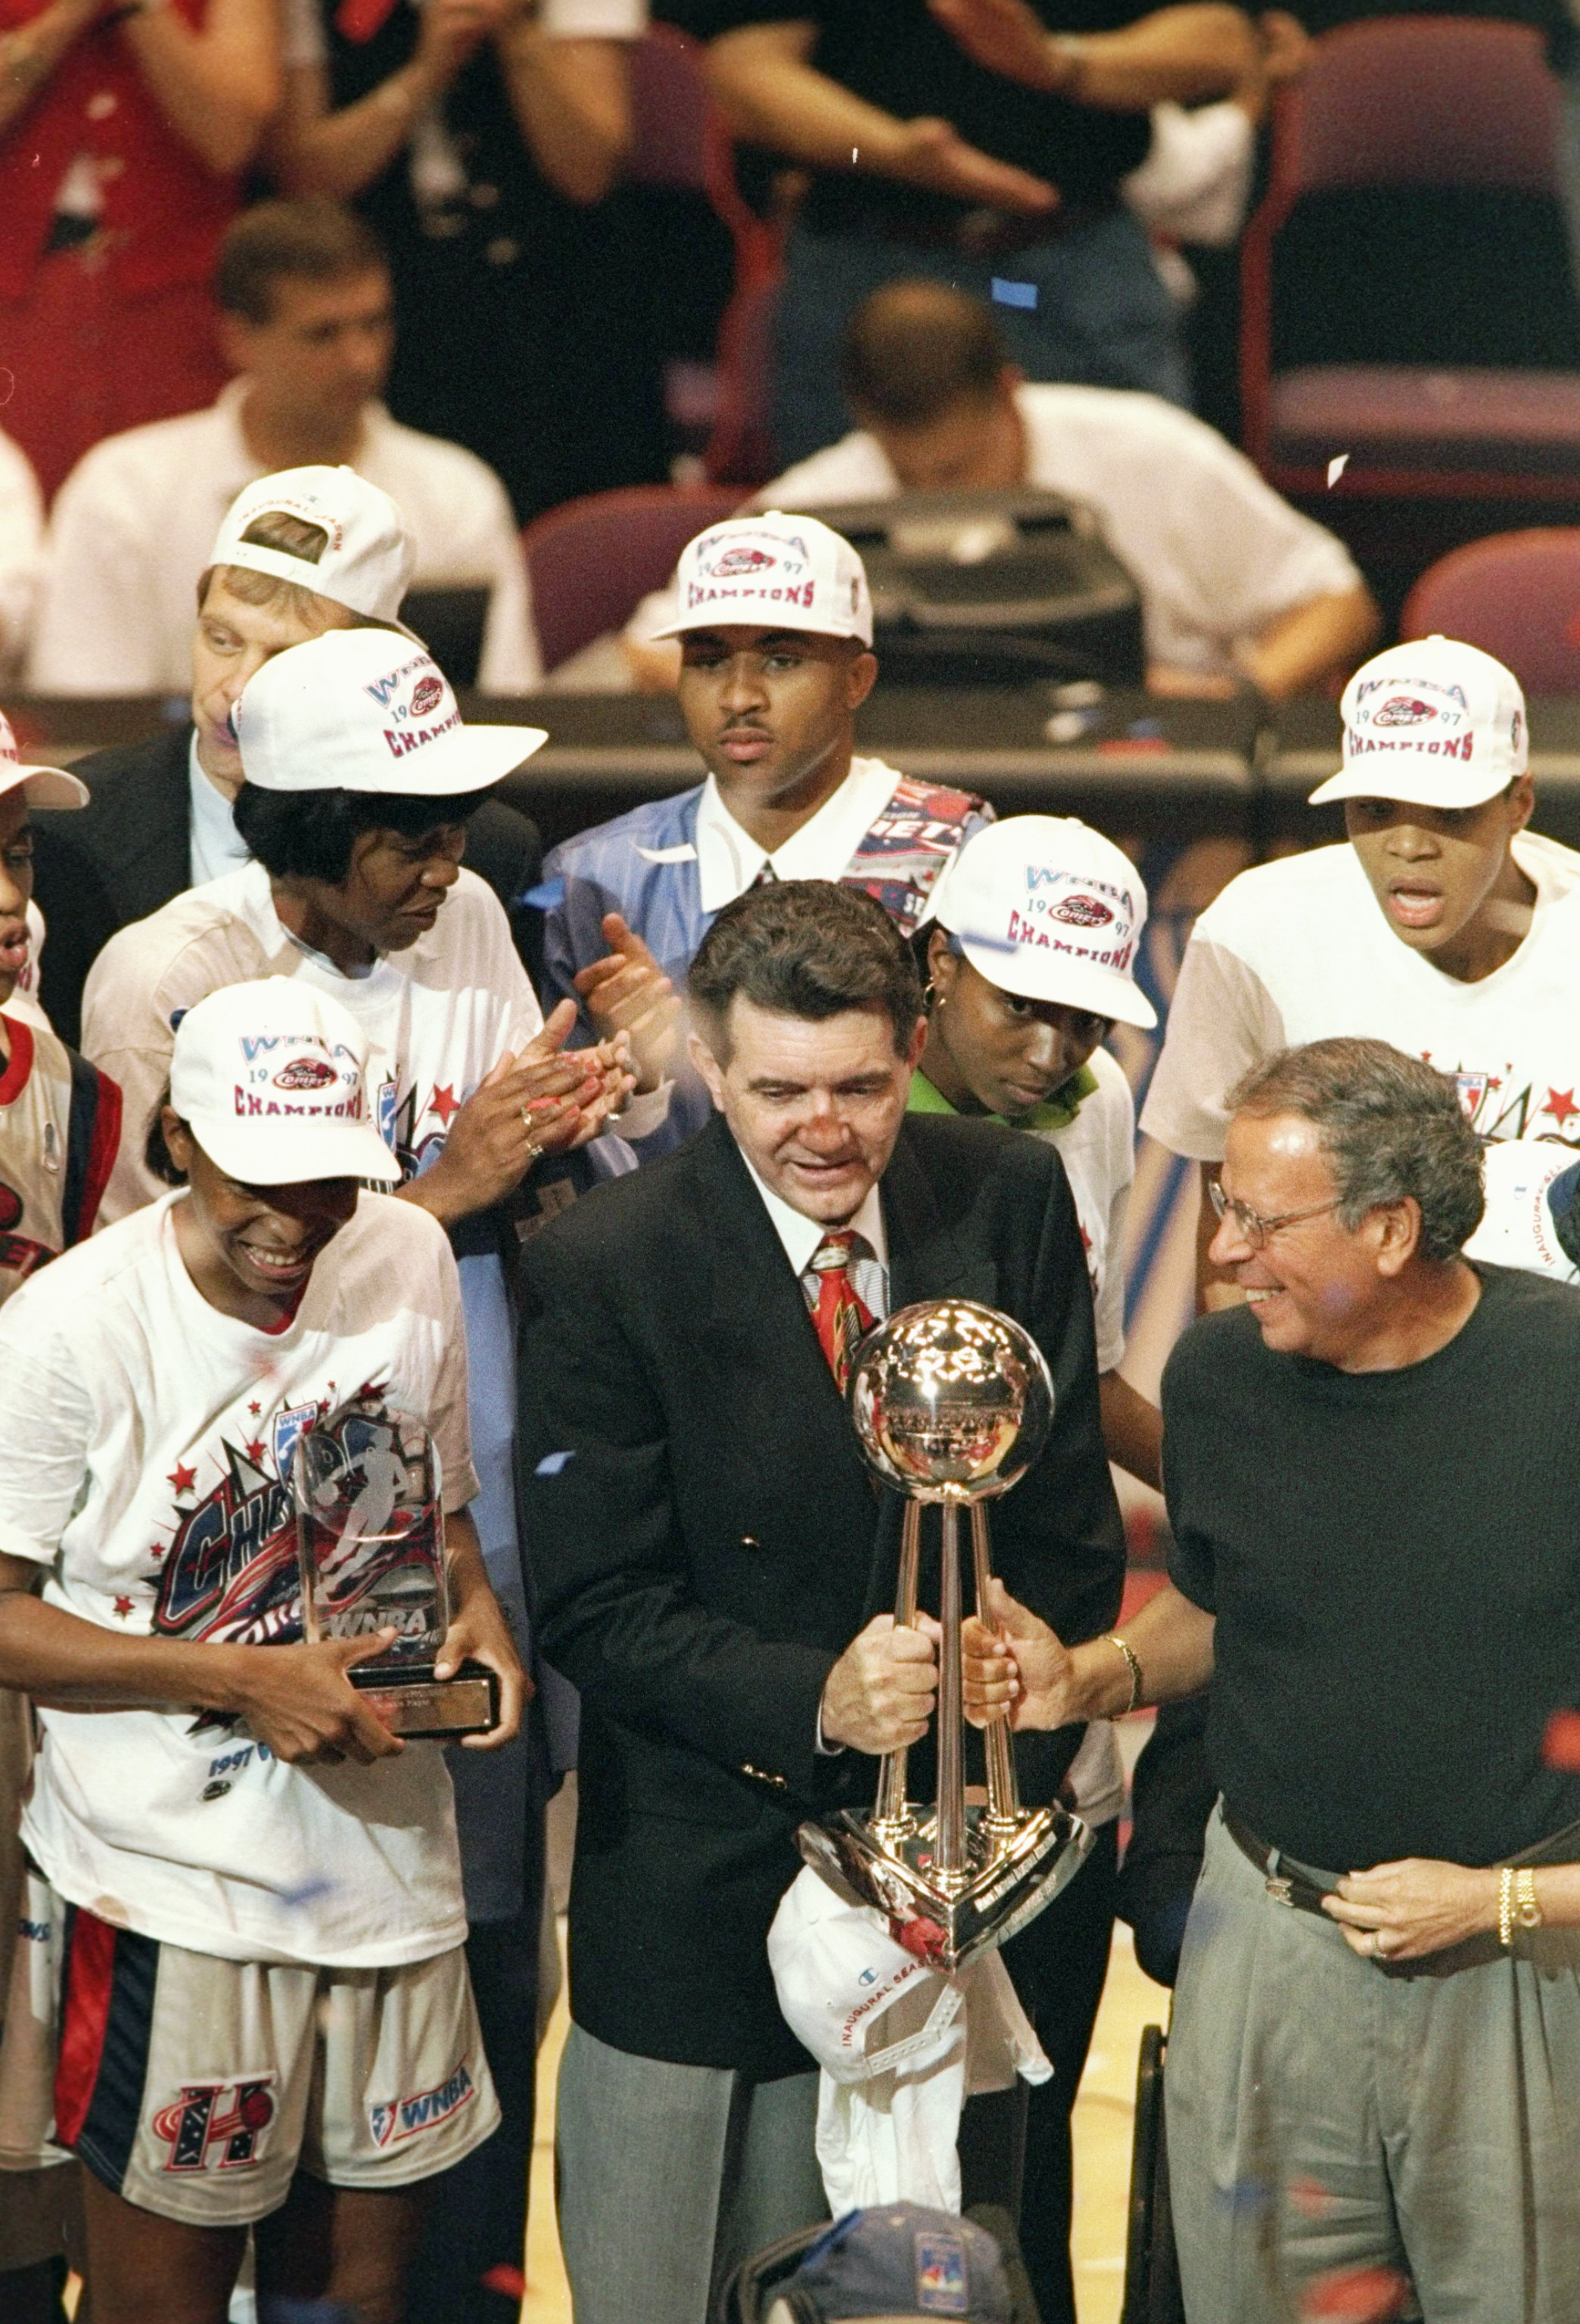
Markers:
{"x": 1527, "y": 1911}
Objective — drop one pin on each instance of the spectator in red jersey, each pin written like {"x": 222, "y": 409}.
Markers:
{"x": 124, "y": 132}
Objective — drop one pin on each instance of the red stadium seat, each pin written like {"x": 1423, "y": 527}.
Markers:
{"x": 679, "y": 140}
{"x": 1516, "y": 595}
{"x": 591, "y": 561}
{"x": 1408, "y": 103}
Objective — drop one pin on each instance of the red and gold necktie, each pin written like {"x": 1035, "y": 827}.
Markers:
{"x": 839, "y": 1318}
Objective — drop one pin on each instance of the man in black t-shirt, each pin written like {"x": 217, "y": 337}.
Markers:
{"x": 1374, "y": 1479}
{"x": 974, "y": 139}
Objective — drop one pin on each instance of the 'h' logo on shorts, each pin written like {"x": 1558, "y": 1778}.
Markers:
{"x": 220, "y": 2123}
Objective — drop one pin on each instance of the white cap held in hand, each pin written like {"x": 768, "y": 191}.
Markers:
{"x": 368, "y": 553}
{"x": 1436, "y": 723}
{"x": 359, "y": 710}
{"x": 270, "y": 1077}
{"x": 772, "y": 572}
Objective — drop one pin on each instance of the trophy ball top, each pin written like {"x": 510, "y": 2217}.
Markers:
{"x": 951, "y": 1400}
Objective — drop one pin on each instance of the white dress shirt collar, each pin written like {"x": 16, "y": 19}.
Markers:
{"x": 801, "y": 1235}
{"x": 728, "y": 858}
{"x": 214, "y": 844}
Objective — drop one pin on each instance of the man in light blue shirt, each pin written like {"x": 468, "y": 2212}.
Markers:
{"x": 776, "y": 624}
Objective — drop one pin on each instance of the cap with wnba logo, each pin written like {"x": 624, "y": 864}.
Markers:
{"x": 359, "y": 710}
{"x": 773, "y": 571}
{"x": 270, "y": 1077}
{"x": 365, "y": 564}
{"x": 1044, "y": 906}
{"x": 1436, "y": 723}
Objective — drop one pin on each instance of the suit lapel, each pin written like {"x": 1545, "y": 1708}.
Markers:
{"x": 926, "y": 1259}
{"x": 156, "y": 862}
{"x": 753, "y": 1301}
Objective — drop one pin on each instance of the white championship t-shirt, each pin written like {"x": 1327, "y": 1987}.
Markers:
{"x": 147, "y": 1437}
{"x": 437, "y": 1015}
{"x": 1299, "y": 950}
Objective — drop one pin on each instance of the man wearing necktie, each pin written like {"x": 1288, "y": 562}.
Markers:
{"x": 713, "y": 1565}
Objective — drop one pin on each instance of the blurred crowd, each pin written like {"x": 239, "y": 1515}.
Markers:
{"x": 482, "y": 250}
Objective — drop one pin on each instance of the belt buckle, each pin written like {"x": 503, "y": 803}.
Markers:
{"x": 1280, "y": 1890}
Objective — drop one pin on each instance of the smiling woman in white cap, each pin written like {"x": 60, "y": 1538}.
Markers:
{"x": 300, "y": 552}
{"x": 1031, "y": 962}
{"x": 263, "y": 1917}
{"x": 361, "y": 780}
{"x": 1445, "y": 926}
{"x": 775, "y": 625}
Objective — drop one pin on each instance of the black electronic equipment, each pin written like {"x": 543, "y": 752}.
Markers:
{"x": 993, "y": 589}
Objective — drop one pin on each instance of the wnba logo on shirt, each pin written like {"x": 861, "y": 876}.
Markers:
{"x": 216, "y": 2125}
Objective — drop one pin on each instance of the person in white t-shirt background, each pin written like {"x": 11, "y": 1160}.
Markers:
{"x": 265, "y": 2014}
{"x": 1444, "y": 926}
{"x": 775, "y": 631}
{"x": 303, "y": 290}
{"x": 1031, "y": 957}
{"x": 1234, "y": 583}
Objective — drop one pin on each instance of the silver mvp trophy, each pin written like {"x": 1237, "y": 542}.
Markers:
{"x": 370, "y": 1546}
{"x": 952, "y": 1403}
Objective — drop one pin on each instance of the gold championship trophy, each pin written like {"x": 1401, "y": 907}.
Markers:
{"x": 952, "y": 1403}
{"x": 370, "y": 1546}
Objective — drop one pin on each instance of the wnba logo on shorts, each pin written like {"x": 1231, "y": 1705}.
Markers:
{"x": 220, "y": 2123}
{"x": 393, "y": 2120}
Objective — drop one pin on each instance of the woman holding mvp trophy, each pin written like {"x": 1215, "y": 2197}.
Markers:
{"x": 266, "y": 2015}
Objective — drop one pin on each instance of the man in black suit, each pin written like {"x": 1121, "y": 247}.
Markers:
{"x": 714, "y": 1564}
{"x": 300, "y": 552}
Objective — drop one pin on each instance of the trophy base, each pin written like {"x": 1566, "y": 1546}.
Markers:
{"x": 1009, "y": 1875}
{"x": 414, "y": 1703}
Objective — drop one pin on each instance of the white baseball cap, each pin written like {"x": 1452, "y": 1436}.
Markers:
{"x": 366, "y": 564}
{"x": 1046, "y": 907}
{"x": 38, "y": 786}
{"x": 1532, "y": 1214}
{"x": 271, "y": 1079}
{"x": 1436, "y": 723}
{"x": 358, "y": 710}
{"x": 783, "y": 572}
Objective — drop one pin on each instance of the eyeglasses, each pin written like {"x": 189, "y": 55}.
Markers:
{"x": 1251, "y": 1224}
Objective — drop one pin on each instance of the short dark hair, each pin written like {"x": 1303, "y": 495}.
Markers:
{"x": 313, "y": 239}
{"x": 161, "y": 1162}
{"x": 309, "y": 834}
{"x": 914, "y": 349}
{"x": 804, "y": 948}
{"x": 1391, "y": 1127}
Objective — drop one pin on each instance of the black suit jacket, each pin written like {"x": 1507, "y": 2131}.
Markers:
{"x": 713, "y": 1543}
{"x": 129, "y": 851}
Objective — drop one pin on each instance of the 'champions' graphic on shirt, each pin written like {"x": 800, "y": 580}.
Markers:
{"x": 1496, "y": 1111}
{"x": 230, "y": 1576}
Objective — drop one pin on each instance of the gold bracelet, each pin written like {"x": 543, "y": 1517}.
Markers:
{"x": 1506, "y": 1906}
{"x": 1133, "y": 1665}
{"x": 1527, "y": 1911}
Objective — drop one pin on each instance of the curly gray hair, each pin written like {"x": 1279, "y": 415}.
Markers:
{"x": 1391, "y": 1127}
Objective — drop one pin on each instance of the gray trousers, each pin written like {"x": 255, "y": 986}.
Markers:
{"x": 1329, "y": 2115}
{"x": 669, "y": 2176}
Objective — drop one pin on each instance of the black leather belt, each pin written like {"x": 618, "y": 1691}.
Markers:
{"x": 1301, "y": 1886}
